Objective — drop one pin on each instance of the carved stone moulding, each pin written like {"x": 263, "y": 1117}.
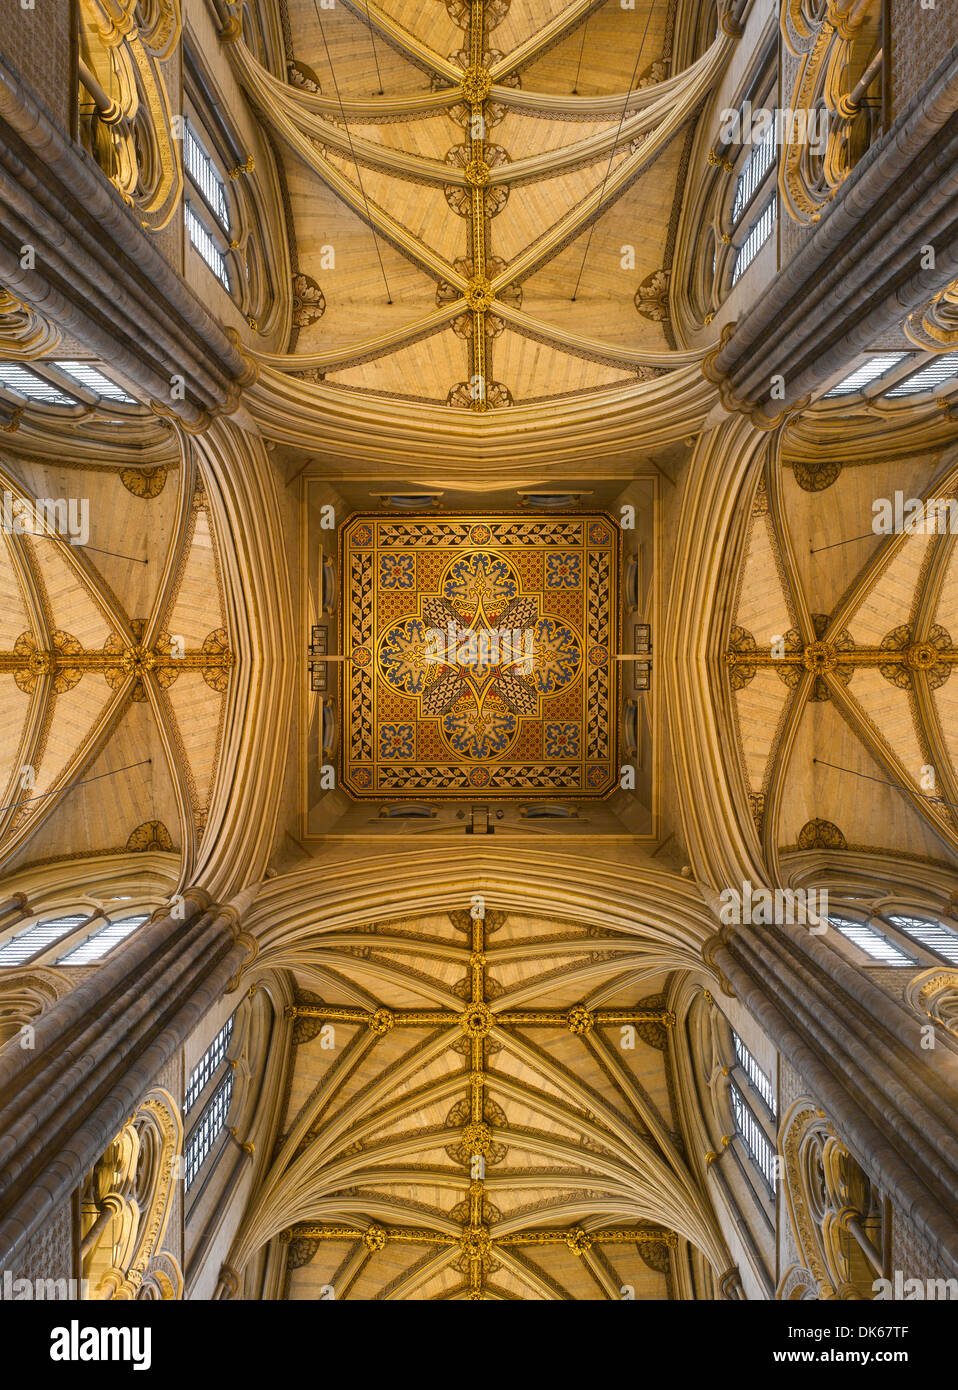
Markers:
{"x": 934, "y": 995}
{"x": 832, "y": 1207}
{"x": 24, "y": 333}
{"x": 125, "y": 1206}
{"x": 935, "y": 326}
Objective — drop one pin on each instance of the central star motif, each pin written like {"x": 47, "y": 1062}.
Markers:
{"x": 480, "y": 656}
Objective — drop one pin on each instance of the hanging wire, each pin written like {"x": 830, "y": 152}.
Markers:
{"x": 72, "y": 785}
{"x": 625, "y": 107}
{"x": 575, "y": 85}
{"x": 359, "y": 177}
{"x": 372, "y": 36}
{"x": 896, "y": 786}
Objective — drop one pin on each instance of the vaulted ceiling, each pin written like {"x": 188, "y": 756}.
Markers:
{"x": 842, "y": 659}
{"x": 519, "y": 233}
{"x": 481, "y": 1106}
{"x": 115, "y": 656}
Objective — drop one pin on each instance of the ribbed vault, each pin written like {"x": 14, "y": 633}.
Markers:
{"x": 841, "y": 660}
{"x": 115, "y": 652}
{"x": 483, "y": 231}
{"x": 479, "y": 1103}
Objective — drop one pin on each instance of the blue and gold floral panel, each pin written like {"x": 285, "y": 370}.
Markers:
{"x": 479, "y": 656}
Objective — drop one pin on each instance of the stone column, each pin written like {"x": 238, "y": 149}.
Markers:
{"x": 861, "y": 270}
{"x": 861, "y": 1063}
{"x": 98, "y": 1050}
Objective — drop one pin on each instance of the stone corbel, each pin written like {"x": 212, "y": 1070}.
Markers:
{"x": 716, "y": 943}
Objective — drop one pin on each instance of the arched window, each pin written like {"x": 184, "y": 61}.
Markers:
{"x": 206, "y": 211}
{"x": 759, "y": 233}
{"x": 208, "y": 1066}
{"x": 753, "y": 173}
{"x": 876, "y": 943}
{"x": 731, "y": 213}
{"x": 759, "y": 1082}
{"x": 210, "y": 1087}
{"x": 750, "y": 162}
{"x": 209, "y": 1127}
{"x": 751, "y": 1092}
{"x": 935, "y": 936}
{"x": 226, "y": 205}
{"x": 749, "y": 1129}
{"x": 89, "y": 938}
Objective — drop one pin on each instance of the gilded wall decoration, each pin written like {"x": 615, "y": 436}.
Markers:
{"x": 821, "y": 834}
{"x": 303, "y": 78}
{"x": 479, "y": 656}
{"x": 935, "y": 326}
{"x": 840, "y": 61}
{"x": 309, "y": 302}
{"x": 815, "y": 475}
{"x": 144, "y": 482}
{"x": 652, "y": 297}
{"x": 24, "y": 995}
{"x": 24, "y": 333}
{"x": 934, "y": 994}
{"x": 151, "y": 835}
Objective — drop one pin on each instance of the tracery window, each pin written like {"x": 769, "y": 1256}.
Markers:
{"x": 871, "y": 370}
{"x": 94, "y": 380}
{"x": 897, "y": 375}
{"x": 208, "y": 1065}
{"x": 935, "y": 936}
{"x": 875, "y": 944}
{"x": 95, "y": 939}
{"x": 62, "y": 383}
{"x": 934, "y": 374}
{"x": 35, "y": 940}
{"x": 760, "y": 232}
{"x": 756, "y": 1141}
{"x": 757, "y": 1078}
{"x": 31, "y": 386}
{"x": 900, "y": 937}
{"x": 102, "y": 941}
{"x": 208, "y": 1127}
